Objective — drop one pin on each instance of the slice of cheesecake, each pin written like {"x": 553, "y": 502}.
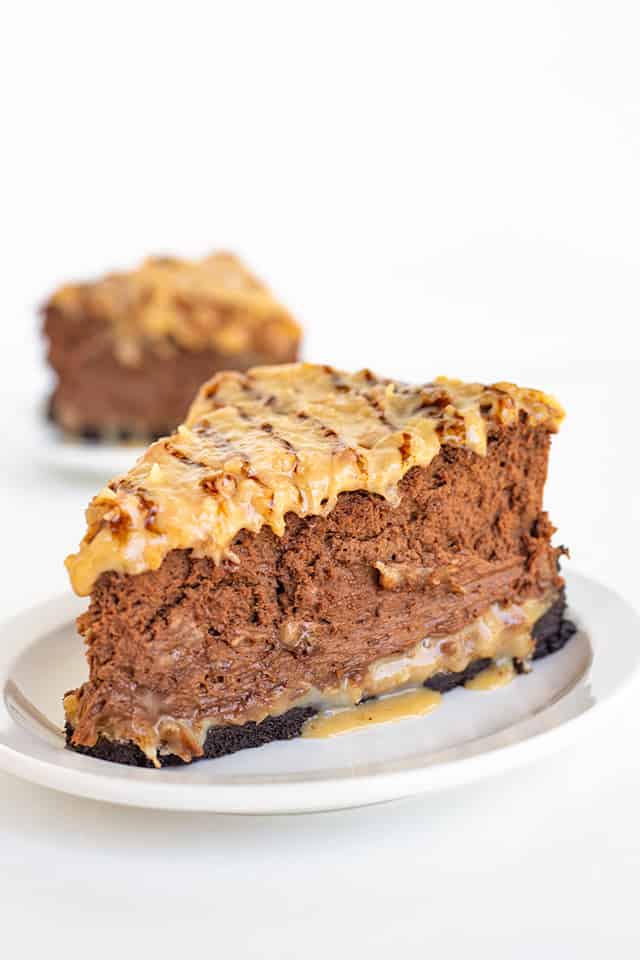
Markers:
{"x": 130, "y": 350}
{"x": 309, "y": 539}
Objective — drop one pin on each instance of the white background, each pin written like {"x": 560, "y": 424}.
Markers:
{"x": 433, "y": 188}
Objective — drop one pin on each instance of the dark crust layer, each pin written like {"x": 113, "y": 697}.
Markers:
{"x": 220, "y": 741}
{"x": 551, "y": 632}
{"x": 444, "y": 682}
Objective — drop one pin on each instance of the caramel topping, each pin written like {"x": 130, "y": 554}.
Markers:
{"x": 398, "y": 706}
{"x": 214, "y": 302}
{"x": 497, "y": 675}
{"x": 275, "y": 440}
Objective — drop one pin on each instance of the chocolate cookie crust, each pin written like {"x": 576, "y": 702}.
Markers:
{"x": 219, "y": 742}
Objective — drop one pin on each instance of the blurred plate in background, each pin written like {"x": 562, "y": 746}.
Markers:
{"x": 98, "y": 459}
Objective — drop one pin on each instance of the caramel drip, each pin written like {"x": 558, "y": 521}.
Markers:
{"x": 283, "y": 439}
{"x": 497, "y": 675}
{"x": 399, "y": 706}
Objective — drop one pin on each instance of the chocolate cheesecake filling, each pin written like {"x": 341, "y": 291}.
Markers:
{"x": 373, "y": 596}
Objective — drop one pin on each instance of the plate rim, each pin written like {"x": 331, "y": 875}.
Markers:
{"x": 312, "y": 792}
{"x": 107, "y": 459}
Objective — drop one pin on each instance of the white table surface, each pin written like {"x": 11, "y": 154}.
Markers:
{"x": 461, "y": 197}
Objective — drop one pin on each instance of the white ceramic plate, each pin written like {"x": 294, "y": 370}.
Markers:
{"x": 470, "y": 736}
{"x": 100, "y": 460}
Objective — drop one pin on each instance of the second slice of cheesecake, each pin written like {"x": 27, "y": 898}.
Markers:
{"x": 131, "y": 349}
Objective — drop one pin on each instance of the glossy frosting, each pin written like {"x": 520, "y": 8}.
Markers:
{"x": 215, "y": 302}
{"x": 282, "y": 439}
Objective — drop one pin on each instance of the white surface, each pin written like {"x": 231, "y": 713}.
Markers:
{"x": 450, "y": 188}
{"x": 470, "y": 736}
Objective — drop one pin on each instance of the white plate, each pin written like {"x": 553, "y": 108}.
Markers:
{"x": 470, "y": 736}
{"x": 101, "y": 460}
